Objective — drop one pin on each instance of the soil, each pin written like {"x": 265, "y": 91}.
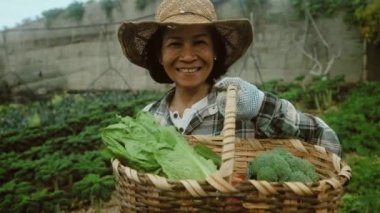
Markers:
{"x": 111, "y": 206}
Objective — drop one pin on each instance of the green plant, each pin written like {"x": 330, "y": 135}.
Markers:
{"x": 51, "y": 15}
{"x": 293, "y": 91}
{"x": 368, "y": 19}
{"x": 24, "y": 169}
{"x": 34, "y": 121}
{"x": 53, "y": 168}
{"x": 356, "y": 120}
{"x": 75, "y": 11}
{"x": 5, "y": 92}
{"x": 323, "y": 89}
{"x": 6, "y": 161}
{"x": 150, "y": 147}
{"x": 42, "y": 201}
{"x": 60, "y": 151}
{"x": 364, "y": 14}
{"x": 12, "y": 192}
{"x": 248, "y": 6}
{"x": 321, "y": 93}
{"x": 89, "y": 162}
{"x": 108, "y": 6}
{"x": 206, "y": 152}
{"x": 363, "y": 190}
{"x": 317, "y": 7}
{"x": 142, "y": 4}
{"x": 95, "y": 188}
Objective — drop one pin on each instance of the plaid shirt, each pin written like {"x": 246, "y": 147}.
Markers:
{"x": 276, "y": 118}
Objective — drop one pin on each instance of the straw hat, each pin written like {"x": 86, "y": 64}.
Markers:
{"x": 134, "y": 36}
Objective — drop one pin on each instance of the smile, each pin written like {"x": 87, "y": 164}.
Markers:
{"x": 188, "y": 70}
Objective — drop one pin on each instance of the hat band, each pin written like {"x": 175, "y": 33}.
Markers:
{"x": 187, "y": 13}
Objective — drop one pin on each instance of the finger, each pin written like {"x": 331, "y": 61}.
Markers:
{"x": 223, "y": 84}
{"x": 221, "y": 102}
{"x": 231, "y": 81}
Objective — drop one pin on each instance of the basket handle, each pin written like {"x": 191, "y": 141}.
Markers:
{"x": 228, "y": 149}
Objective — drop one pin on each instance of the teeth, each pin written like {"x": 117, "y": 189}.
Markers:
{"x": 190, "y": 70}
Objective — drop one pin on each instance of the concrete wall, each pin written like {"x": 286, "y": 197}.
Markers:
{"x": 283, "y": 41}
{"x": 88, "y": 55}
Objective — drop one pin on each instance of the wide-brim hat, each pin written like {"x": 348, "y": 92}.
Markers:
{"x": 134, "y": 36}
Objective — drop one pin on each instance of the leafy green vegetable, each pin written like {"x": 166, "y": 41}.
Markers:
{"x": 150, "y": 147}
{"x": 207, "y": 153}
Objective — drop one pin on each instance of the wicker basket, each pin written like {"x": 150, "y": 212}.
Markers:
{"x": 142, "y": 192}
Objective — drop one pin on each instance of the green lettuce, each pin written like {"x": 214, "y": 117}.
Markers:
{"x": 147, "y": 146}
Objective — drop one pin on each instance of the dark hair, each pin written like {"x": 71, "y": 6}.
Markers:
{"x": 156, "y": 70}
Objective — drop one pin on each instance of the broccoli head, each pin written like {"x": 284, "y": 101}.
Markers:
{"x": 299, "y": 177}
{"x": 303, "y": 166}
{"x": 267, "y": 173}
{"x": 280, "y": 165}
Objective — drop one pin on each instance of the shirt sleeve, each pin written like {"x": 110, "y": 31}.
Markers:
{"x": 279, "y": 118}
{"x": 148, "y": 107}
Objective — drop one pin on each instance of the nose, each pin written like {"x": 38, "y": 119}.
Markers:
{"x": 188, "y": 53}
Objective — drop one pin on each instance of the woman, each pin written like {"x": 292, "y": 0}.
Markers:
{"x": 189, "y": 47}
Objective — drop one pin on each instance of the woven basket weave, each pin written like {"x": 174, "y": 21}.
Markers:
{"x": 220, "y": 192}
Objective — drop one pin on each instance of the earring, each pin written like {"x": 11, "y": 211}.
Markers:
{"x": 214, "y": 58}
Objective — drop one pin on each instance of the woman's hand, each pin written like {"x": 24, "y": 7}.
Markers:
{"x": 248, "y": 99}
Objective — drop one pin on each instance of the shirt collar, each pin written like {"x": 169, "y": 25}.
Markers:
{"x": 163, "y": 116}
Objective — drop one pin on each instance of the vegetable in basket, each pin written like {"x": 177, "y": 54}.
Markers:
{"x": 143, "y": 144}
{"x": 279, "y": 165}
{"x": 207, "y": 153}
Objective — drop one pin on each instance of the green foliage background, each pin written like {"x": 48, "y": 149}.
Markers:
{"x": 51, "y": 150}
{"x": 354, "y": 113}
{"x": 363, "y": 14}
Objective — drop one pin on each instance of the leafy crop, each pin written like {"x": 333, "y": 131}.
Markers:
{"x": 42, "y": 162}
{"x": 364, "y": 189}
{"x": 95, "y": 188}
{"x": 12, "y": 192}
{"x": 323, "y": 90}
{"x": 320, "y": 94}
{"x": 357, "y": 120}
{"x": 149, "y": 147}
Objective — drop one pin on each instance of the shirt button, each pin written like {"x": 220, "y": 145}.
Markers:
{"x": 181, "y": 129}
{"x": 175, "y": 115}
{"x": 213, "y": 110}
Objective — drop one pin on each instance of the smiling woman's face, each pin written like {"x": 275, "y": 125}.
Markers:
{"x": 187, "y": 55}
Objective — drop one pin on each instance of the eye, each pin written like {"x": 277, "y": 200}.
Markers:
{"x": 172, "y": 43}
{"x": 199, "y": 42}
